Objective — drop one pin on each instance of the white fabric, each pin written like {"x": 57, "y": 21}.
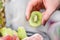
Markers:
{"x": 15, "y": 15}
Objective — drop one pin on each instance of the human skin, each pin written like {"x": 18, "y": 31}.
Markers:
{"x": 49, "y": 5}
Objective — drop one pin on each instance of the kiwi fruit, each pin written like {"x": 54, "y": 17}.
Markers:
{"x": 35, "y": 19}
{"x": 3, "y": 31}
{"x": 0, "y": 21}
{"x": 1, "y": 5}
{"x": 2, "y": 14}
{"x": 21, "y": 33}
{"x": 6, "y": 31}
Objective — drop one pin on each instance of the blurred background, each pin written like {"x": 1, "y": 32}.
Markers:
{"x": 15, "y": 17}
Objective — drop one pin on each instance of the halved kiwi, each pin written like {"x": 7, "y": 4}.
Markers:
{"x": 35, "y": 19}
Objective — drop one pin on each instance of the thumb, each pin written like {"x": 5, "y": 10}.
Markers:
{"x": 46, "y": 16}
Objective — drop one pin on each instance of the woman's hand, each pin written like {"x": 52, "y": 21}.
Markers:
{"x": 36, "y": 5}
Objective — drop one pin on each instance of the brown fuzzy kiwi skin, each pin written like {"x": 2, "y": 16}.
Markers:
{"x": 2, "y": 15}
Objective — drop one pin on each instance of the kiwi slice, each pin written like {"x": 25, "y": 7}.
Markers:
{"x": 6, "y": 31}
{"x": 35, "y": 19}
{"x": 21, "y": 33}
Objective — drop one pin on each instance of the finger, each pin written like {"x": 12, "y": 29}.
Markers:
{"x": 46, "y": 16}
{"x": 28, "y": 10}
{"x": 33, "y": 5}
{"x": 50, "y": 6}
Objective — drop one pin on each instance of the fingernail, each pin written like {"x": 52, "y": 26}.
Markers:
{"x": 44, "y": 23}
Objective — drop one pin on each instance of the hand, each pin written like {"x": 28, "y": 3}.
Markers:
{"x": 36, "y": 5}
